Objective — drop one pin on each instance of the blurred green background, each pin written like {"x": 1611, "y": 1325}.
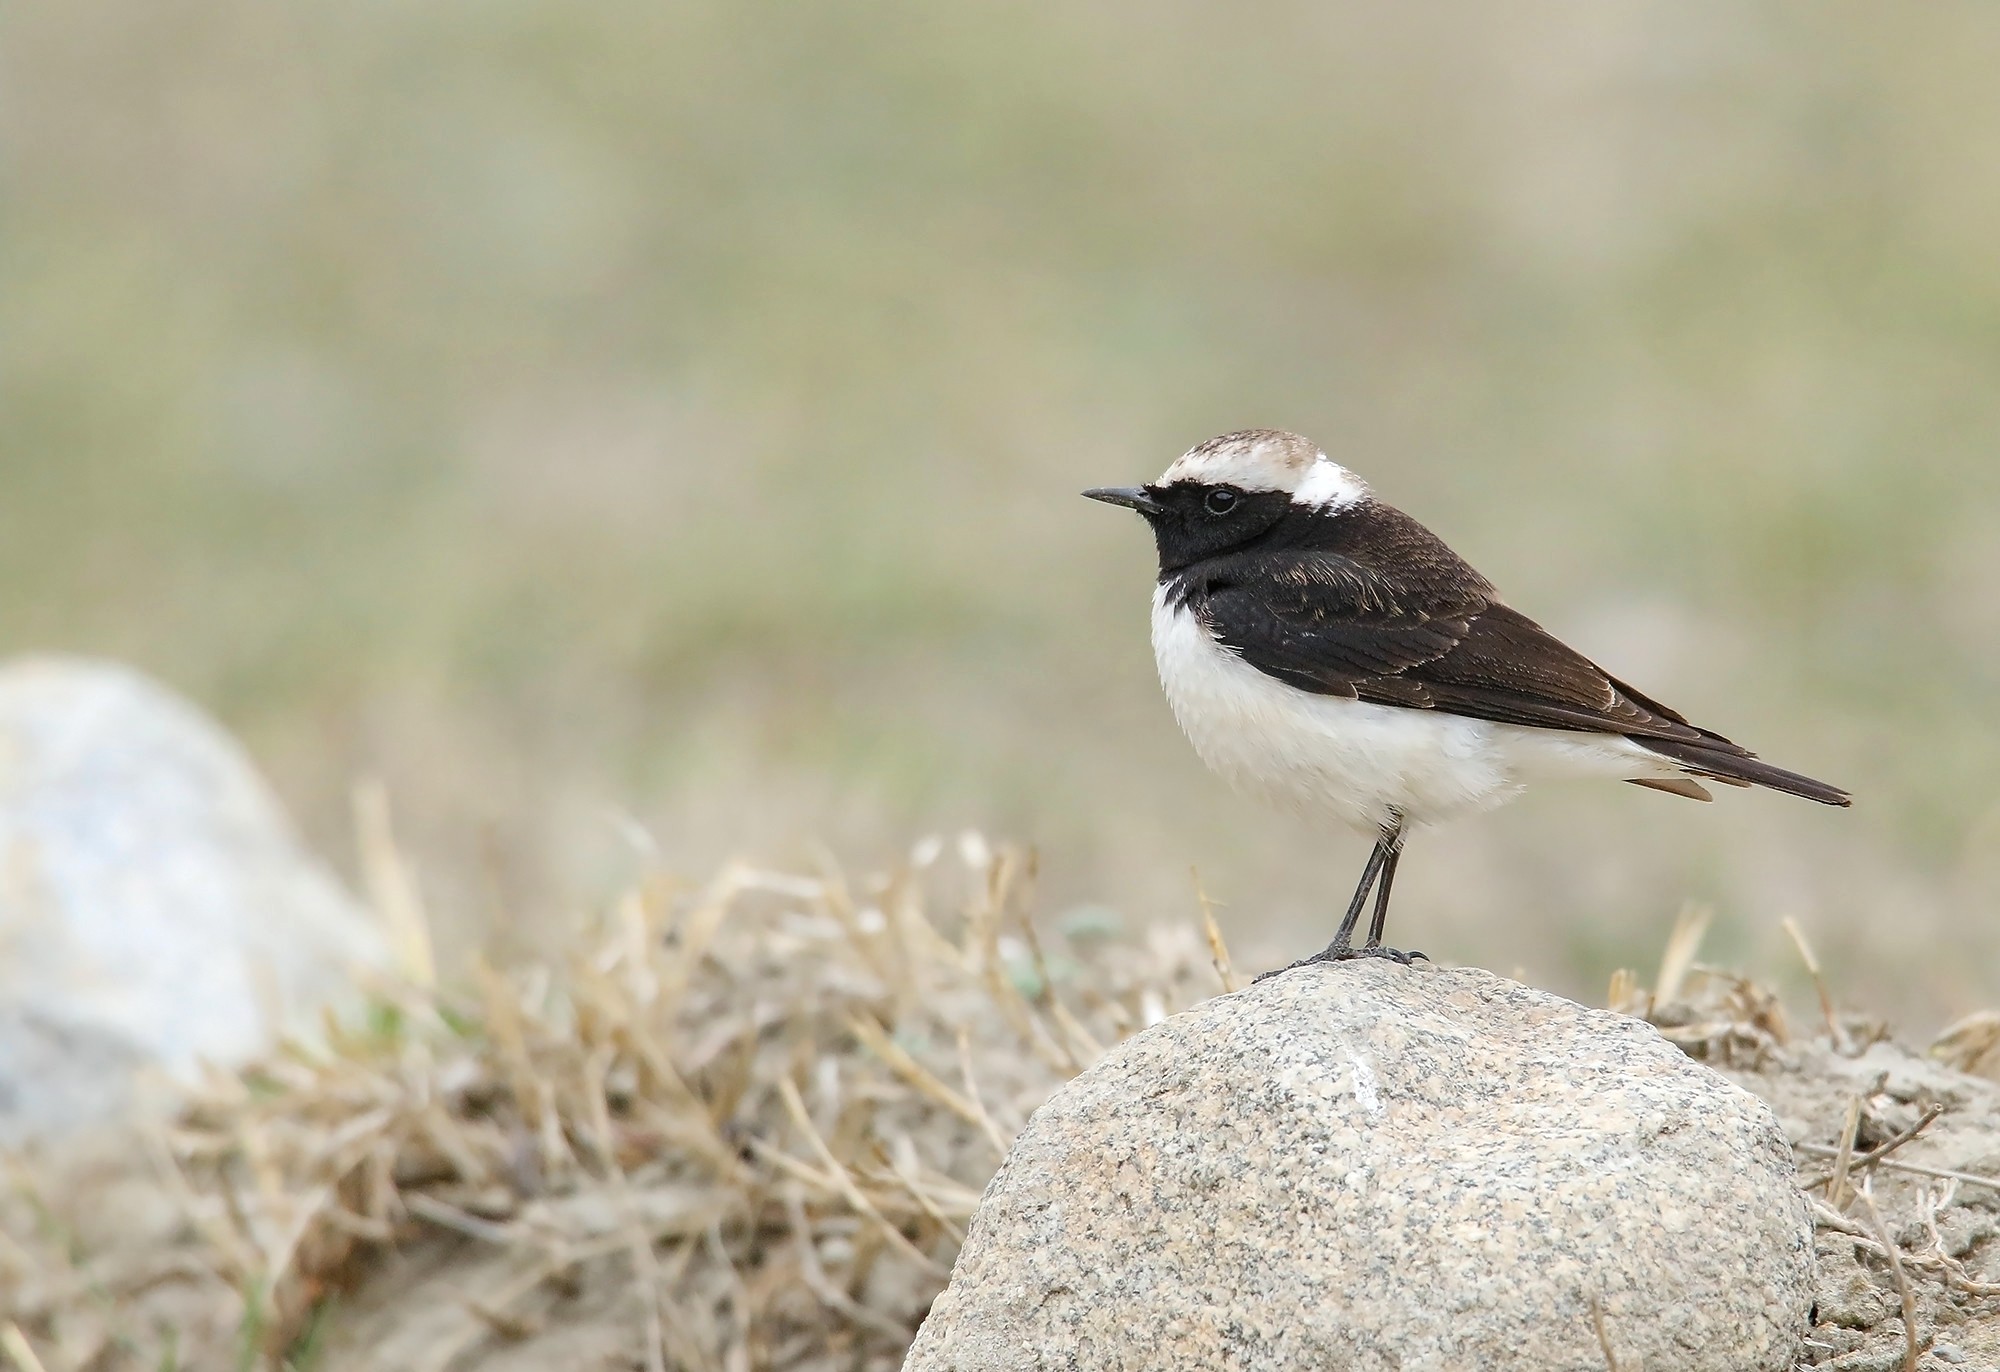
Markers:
{"x": 572, "y": 411}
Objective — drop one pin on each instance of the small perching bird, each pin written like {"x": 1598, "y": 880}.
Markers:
{"x": 1329, "y": 651}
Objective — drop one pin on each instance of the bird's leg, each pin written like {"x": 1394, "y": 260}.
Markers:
{"x": 1342, "y": 946}
{"x": 1375, "y": 949}
{"x": 1343, "y": 937}
{"x": 1393, "y": 837}
{"x": 1377, "y": 876}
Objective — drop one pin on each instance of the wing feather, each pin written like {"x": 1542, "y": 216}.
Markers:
{"x": 1329, "y": 624}
{"x": 1394, "y": 617}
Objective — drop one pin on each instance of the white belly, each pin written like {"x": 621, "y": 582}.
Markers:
{"x": 1361, "y": 763}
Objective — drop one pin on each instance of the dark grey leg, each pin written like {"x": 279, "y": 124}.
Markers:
{"x": 1376, "y": 877}
{"x": 1394, "y": 838}
{"x": 1377, "y": 860}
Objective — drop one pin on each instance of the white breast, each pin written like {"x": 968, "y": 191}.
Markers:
{"x": 1357, "y": 762}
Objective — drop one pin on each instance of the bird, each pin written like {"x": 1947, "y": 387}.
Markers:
{"x": 1322, "y": 648}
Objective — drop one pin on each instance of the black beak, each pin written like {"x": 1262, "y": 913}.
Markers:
{"x": 1131, "y": 497}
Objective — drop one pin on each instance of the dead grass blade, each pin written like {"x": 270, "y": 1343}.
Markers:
{"x": 16, "y": 1346}
{"x": 1911, "y": 1349}
{"x": 1843, "y": 1158}
{"x": 1679, "y": 954}
{"x": 392, "y": 886}
{"x": 1915, "y": 1169}
{"x": 1834, "y": 1034}
{"x": 1603, "y": 1335}
{"x": 913, "y": 1073}
{"x": 795, "y": 1105}
{"x": 816, "y": 1280}
{"x": 1218, "y": 951}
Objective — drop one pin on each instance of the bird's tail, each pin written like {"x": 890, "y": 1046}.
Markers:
{"x": 1731, "y": 765}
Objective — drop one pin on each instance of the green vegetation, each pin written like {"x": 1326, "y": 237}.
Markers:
{"x": 679, "y": 410}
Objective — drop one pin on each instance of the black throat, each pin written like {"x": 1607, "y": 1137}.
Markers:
{"x": 1274, "y": 538}
{"x": 1195, "y": 545}
{"x": 1186, "y": 531}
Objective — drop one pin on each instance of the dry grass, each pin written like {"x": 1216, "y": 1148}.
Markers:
{"x": 746, "y": 1125}
{"x": 743, "y": 1128}
{"x": 1899, "y": 1155}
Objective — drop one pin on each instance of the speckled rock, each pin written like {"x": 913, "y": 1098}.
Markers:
{"x": 1379, "y": 1167}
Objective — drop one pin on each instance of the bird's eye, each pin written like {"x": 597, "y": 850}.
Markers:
{"x": 1220, "y": 501}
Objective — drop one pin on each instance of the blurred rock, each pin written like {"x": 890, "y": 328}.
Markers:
{"x": 1383, "y": 1167}
{"x": 156, "y": 910}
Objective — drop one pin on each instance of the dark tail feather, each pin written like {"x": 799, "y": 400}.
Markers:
{"x": 1730, "y": 765}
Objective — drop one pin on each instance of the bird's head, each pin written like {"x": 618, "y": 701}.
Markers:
{"x": 1223, "y": 493}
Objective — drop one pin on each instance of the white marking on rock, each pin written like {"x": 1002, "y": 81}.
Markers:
{"x": 1366, "y": 1088}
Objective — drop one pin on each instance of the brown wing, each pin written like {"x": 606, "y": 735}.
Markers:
{"x": 1329, "y": 624}
{"x": 1509, "y": 668}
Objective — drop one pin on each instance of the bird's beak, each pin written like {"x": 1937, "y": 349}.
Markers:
{"x": 1131, "y": 497}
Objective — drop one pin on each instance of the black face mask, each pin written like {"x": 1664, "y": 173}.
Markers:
{"x": 1193, "y": 522}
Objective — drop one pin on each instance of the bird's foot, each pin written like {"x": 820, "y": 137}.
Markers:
{"x": 1395, "y": 955}
{"x": 1341, "y": 952}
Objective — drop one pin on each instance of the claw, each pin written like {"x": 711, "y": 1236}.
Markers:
{"x": 1340, "y": 952}
{"x": 1395, "y": 955}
